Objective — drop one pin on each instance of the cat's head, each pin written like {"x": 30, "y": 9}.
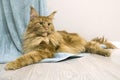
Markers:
{"x": 41, "y": 25}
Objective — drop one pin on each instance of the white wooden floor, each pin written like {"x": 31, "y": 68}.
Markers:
{"x": 90, "y": 67}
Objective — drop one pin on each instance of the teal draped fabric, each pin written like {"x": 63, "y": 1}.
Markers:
{"x": 14, "y": 17}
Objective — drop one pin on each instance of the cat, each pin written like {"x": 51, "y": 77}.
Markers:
{"x": 42, "y": 41}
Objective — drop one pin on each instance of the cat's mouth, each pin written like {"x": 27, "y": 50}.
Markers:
{"x": 44, "y": 34}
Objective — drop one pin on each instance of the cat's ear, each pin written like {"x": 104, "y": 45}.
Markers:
{"x": 52, "y": 14}
{"x": 33, "y": 13}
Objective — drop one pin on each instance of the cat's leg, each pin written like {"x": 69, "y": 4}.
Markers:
{"x": 29, "y": 58}
{"x": 70, "y": 49}
{"x": 94, "y": 47}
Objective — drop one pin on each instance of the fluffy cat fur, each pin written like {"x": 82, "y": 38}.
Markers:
{"x": 42, "y": 41}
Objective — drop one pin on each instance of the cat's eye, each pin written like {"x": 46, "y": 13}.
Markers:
{"x": 49, "y": 24}
{"x": 41, "y": 23}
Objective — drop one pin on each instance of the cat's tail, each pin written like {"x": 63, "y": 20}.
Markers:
{"x": 104, "y": 41}
{"x": 95, "y": 48}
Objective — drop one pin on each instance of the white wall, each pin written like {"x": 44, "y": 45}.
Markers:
{"x": 89, "y": 18}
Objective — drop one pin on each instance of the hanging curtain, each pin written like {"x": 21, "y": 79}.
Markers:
{"x": 14, "y": 17}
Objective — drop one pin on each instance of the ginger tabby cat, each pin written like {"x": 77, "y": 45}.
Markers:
{"x": 42, "y": 41}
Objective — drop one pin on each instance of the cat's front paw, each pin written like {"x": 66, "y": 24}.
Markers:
{"x": 11, "y": 66}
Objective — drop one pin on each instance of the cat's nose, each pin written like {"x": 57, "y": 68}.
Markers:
{"x": 46, "y": 28}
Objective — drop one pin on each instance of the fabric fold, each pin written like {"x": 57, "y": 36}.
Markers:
{"x": 14, "y": 17}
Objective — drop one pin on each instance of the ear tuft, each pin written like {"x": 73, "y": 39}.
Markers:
{"x": 52, "y": 14}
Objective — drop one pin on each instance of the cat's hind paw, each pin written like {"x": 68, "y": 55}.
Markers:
{"x": 105, "y": 53}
